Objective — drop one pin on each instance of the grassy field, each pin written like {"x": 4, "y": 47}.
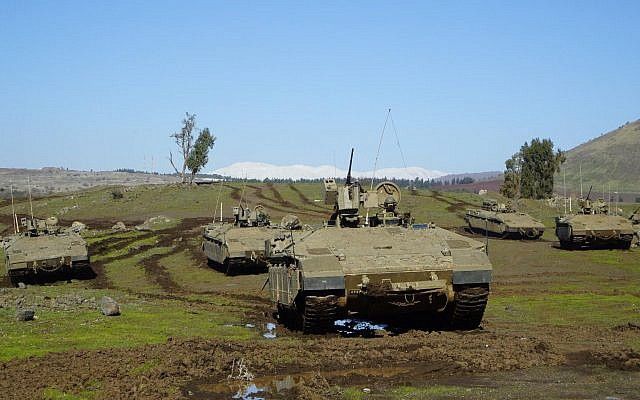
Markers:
{"x": 305, "y": 200}
{"x": 166, "y": 290}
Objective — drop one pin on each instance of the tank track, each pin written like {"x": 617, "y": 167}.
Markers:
{"x": 319, "y": 314}
{"x": 469, "y": 306}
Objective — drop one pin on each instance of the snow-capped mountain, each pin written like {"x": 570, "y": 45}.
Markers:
{"x": 256, "y": 170}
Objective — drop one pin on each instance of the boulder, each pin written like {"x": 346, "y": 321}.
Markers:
{"x": 109, "y": 306}
{"x": 25, "y": 314}
{"x": 151, "y": 222}
{"x": 119, "y": 226}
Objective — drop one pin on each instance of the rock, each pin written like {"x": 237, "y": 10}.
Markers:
{"x": 119, "y": 226}
{"x": 78, "y": 226}
{"x": 25, "y": 314}
{"x": 21, "y": 285}
{"x": 290, "y": 221}
{"x": 109, "y": 307}
{"x": 151, "y": 222}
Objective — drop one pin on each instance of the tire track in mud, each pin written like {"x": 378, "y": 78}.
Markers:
{"x": 275, "y": 205}
{"x": 101, "y": 280}
{"x": 156, "y": 273}
{"x": 305, "y": 200}
{"x": 453, "y": 206}
{"x": 154, "y": 270}
{"x": 283, "y": 202}
{"x": 236, "y": 193}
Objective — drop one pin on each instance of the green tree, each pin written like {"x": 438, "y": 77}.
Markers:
{"x": 511, "y": 186}
{"x": 199, "y": 155}
{"x": 529, "y": 173}
{"x": 194, "y": 155}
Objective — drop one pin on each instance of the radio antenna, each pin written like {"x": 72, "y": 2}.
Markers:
{"x": 244, "y": 185}
{"x": 16, "y": 228}
{"x": 215, "y": 211}
{"x": 395, "y": 131}
{"x": 375, "y": 163}
{"x": 564, "y": 185}
{"x": 30, "y": 201}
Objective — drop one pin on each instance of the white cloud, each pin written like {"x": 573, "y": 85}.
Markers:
{"x": 256, "y": 170}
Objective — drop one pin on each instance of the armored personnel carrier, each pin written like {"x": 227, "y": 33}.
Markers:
{"x": 594, "y": 226}
{"x": 503, "y": 220}
{"x": 377, "y": 265}
{"x": 44, "y": 248}
{"x": 238, "y": 246}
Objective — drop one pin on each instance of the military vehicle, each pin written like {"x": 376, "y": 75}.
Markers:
{"x": 635, "y": 217}
{"x": 503, "y": 220}
{"x": 43, "y": 247}
{"x": 377, "y": 265}
{"x": 594, "y": 226}
{"x": 237, "y": 246}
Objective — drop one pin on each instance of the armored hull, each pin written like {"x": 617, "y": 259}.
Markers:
{"x": 45, "y": 253}
{"x": 505, "y": 224}
{"x": 418, "y": 271}
{"x": 594, "y": 230}
{"x": 234, "y": 248}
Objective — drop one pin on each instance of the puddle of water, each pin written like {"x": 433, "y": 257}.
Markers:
{"x": 271, "y": 331}
{"x": 355, "y": 327}
{"x": 250, "y": 392}
{"x": 281, "y": 386}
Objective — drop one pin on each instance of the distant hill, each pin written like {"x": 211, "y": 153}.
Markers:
{"x": 610, "y": 159}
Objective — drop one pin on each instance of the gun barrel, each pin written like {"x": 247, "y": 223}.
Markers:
{"x": 589, "y": 194}
{"x": 350, "y": 163}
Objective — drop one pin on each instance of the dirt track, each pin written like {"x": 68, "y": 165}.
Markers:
{"x": 202, "y": 367}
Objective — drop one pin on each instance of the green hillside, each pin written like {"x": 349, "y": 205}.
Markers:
{"x": 611, "y": 159}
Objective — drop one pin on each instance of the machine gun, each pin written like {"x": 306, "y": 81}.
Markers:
{"x": 345, "y": 200}
{"x": 585, "y": 204}
{"x": 348, "y": 199}
{"x": 244, "y": 216}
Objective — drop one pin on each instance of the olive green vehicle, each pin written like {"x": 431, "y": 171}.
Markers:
{"x": 44, "y": 248}
{"x": 503, "y": 220}
{"x": 239, "y": 246}
{"x": 377, "y": 265}
{"x": 594, "y": 226}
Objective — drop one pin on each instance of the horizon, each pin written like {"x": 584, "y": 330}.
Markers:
{"x": 102, "y": 86}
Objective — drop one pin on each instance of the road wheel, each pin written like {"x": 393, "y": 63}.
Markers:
{"x": 469, "y": 306}
{"x": 319, "y": 314}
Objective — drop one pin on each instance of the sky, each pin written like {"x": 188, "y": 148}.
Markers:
{"x": 101, "y": 85}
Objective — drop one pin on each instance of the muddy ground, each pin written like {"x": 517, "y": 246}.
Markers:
{"x": 516, "y": 354}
